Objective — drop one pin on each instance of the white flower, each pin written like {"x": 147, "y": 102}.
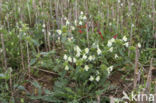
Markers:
{"x": 78, "y": 54}
{"x": 110, "y": 68}
{"x": 112, "y": 40}
{"x": 1, "y": 50}
{"x": 139, "y": 45}
{"x": 67, "y": 22}
{"x": 121, "y": 4}
{"x": 126, "y": 44}
{"x": 90, "y": 58}
{"x": 80, "y": 23}
{"x": 111, "y": 49}
{"x": 72, "y": 28}
{"x": 132, "y": 25}
{"x": 91, "y": 78}
{"x": 150, "y": 16}
{"x": 81, "y": 13}
{"x": 66, "y": 68}
{"x": 97, "y": 73}
{"x": 98, "y": 78}
{"x": 116, "y": 56}
{"x": 119, "y": 1}
{"x": 74, "y": 60}
{"x": 77, "y": 48}
{"x": 97, "y": 46}
{"x": 109, "y": 44}
{"x": 59, "y": 32}
{"x": 49, "y": 33}
{"x": 43, "y": 26}
{"x": 86, "y": 67}
{"x": 84, "y": 18}
{"x": 110, "y": 24}
{"x": 86, "y": 50}
{"x": 43, "y": 30}
{"x": 124, "y": 38}
{"x": 69, "y": 59}
{"x": 65, "y": 18}
{"x": 84, "y": 57}
{"x": 99, "y": 51}
{"x": 65, "y": 57}
{"x": 75, "y": 22}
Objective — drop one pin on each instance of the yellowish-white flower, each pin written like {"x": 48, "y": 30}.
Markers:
{"x": 86, "y": 50}
{"x": 124, "y": 38}
{"x": 110, "y": 24}
{"x": 67, "y": 22}
{"x": 65, "y": 18}
{"x": 69, "y": 59}
{"x": 90, "y": 58}
{"x": 43, "y": 26}
{"x": 121, "y": 4}
{"x": 59, "y": 32}
{"x": 80, "y": 23}
{"x": 49, "y": 33}
{"x": 84, "y": 57}
{"x": 72, "y": 28}
{"x": 66, "y": 68}
{"x": 91, "y": 78}
{"x": 97, "y": 46}
{"x": 99, "y": 51}
{"x": 132, "y": 25}
{"x": 109, "y": 44}
{"x": 116, "y": 56}
{"x": 86, "y": 67}
{"x": 81, "y": 13}
{"x": 111, "y": 49}
{"x": 150, "y": 16}
{"x": 98, "y": 78}
{"x": 1, "y": 50}
{"x": 74, "y": 60}
{"x": 43, "y": 30}
{"x": 126, "y": 44}
{"x": 97, "y": 73}
{"x": 65, "y": 57}
{"x": 84, "y": 17}
{"x": 77, "y": 48}
{"x": 78, "y": 54}
{"x": 139, "y": 45}
{"x": 110, "y": 68}
{"x": 75, "y": 22}
{"x": 112, "y": 40}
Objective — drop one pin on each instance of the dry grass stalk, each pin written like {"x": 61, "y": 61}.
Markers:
{"x": 136, "y": 72}
{"x": 4, "y": 51}
{"x": 149, "y": 78}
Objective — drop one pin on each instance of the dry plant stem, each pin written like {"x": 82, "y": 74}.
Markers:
{"x": 48, "y": 36}
{"x": 51, "y": 17}
{"x": 57, "y": 13}
{"x": 28, "y": 58}
{"x": 87, "y": 33}
{"x": 98, "y": 99}
{"x": 153, "y": 19}
{"x": 136, "y": 68}
{"x": 118, "y": 16}
{"x": 4, "y": 51}
{"x": 22, "y": 56}
{"x": 111, "y": 99}
{"x": 149, "y": 77}
{"x": 46, "y": 71}
{"x": 131, "y": 35}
